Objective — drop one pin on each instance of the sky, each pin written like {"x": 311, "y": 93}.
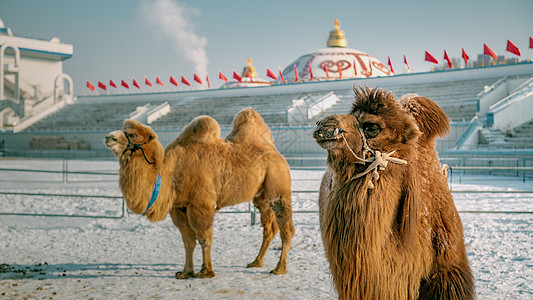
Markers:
{"x": 126, "y": 39}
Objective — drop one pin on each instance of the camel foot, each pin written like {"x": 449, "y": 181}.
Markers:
{"x": 279, "y": 271}
{"x": 255, "y": 264}
{"x": 205, "y": 274}
{"x": 184, "y": 275}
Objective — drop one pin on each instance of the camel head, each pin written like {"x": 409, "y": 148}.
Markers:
{"x": 132, "y": 137}
{"x": 377, "y": 131}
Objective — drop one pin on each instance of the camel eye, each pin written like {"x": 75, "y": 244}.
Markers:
{"x": 371, "y": 130}
{"x": 130, "y": 135}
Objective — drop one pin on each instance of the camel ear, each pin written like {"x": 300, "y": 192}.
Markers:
{"x": 151, "y": 136}
{"x": 430, "y": 117}
{"x": 411, "y": 133}
{"x": 128, "y": 123}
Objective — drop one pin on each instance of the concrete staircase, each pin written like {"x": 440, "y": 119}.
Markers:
{"x": 520, "y": 137}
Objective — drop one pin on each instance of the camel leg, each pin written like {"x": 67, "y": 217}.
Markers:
{"x": 179, "y": 217}
{"x": 205, "y": 239}
{"x": 200, "y": 215}
{"x": 283, "y": 210}
{"x": 270, "y": 229}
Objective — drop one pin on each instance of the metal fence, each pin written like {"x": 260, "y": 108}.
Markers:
{"x": 455, "y": 173}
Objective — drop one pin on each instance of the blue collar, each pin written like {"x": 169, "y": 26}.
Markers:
{"x": 155, "y": 193}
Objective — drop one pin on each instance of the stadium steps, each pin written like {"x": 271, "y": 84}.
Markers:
{"x": 458, "y": 99}
{"x": 85, "y": 116}
{"x": 521, "y": 137}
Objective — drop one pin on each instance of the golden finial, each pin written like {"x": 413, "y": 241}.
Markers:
{"x": 251, "y": 69}
{"x": 336, "y": 37}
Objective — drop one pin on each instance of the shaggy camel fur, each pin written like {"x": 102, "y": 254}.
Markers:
{"x": 202, "y": 173}
{"x": 393, "y": 232}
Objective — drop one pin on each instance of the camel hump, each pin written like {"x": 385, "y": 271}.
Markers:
{"x": 202, "y": 129}
{"x": 430, "y": 117}
{"x": 248, "y": 125}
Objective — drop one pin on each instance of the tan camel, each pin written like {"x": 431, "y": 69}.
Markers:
{"x": 201, "y": 173}
{"x": 389, "y": 224}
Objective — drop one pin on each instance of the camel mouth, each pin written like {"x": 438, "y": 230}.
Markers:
{"x": 324, "y": 139}
{"x": 110, "y": 141}
{"x": 328, "y": 136}
{"x": 114, "y": 142}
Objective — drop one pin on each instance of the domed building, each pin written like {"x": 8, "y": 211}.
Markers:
{"x": 335, "y": 62}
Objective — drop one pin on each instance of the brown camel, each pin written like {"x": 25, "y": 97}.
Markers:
{"x": 389, "y": 224}
{"x": 201, "y": 173}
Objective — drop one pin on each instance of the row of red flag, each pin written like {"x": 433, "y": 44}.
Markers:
{"x": 197, "y": 78}
{"x": 147, "y": 82}
{"x": 511, "y": 47}
{"x": 184, "y": 80}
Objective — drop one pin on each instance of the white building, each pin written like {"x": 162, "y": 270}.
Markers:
{"x": 32, "y": 78}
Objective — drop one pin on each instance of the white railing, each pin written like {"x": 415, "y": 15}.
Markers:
{"x": 149, "y": 113}
{"x": 304, "y": 109}
{"x": 157, "y": 112}
{"x": 514, "y": 109}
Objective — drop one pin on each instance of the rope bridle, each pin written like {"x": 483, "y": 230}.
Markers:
{"x": 378, "y": 161}
{"x": 134, "y": 147}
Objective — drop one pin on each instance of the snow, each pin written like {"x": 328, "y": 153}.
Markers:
{"x": 129, "y": 257}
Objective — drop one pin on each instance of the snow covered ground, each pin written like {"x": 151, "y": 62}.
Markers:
{"x": 129, "y": 257}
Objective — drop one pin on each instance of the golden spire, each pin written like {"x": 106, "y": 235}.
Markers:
{"x": 251, "y": 69}
{"x": 336, "y": 37}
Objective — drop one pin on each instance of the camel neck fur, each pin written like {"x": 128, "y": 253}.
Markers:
{"x": 358, "y": 221}
{"x": 138, "y": 177}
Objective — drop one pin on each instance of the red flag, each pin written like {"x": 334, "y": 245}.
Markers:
{"x": 487, "y": 51}
{"x": 326, "y": 70}
{"x": 135, "y": 83}
{"x": 173, "y": 80}
{"x": 531, "y": 42}
{"x": 431, "y": 58}
{"x": 147, "y": 82}
{"x": 406, "y": 63}
{"x": 185, "y": 81}
{"x": 101, "y": 85}
{"x": 511, "y": 47}
{"x": 197, "y": 79}
{"x": 271, "y": 74}
{"x": 237, "y": 76}
{"x": 447, "y": 58}
{"x": 124, "y": 84}
{"x": 158, "y": 81}
{"x": 281, "y": 75}
{"x": 311, "y": 71}
{"x": 390, "y": 65}
{"x": 296, "y": 73}
{"x": 222, "y": 76}
{"x": 112, "y": 83}
{"x": 465, "y": 56}
{"x": 90, "y": 86}
{"x": 207, "y": 79}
